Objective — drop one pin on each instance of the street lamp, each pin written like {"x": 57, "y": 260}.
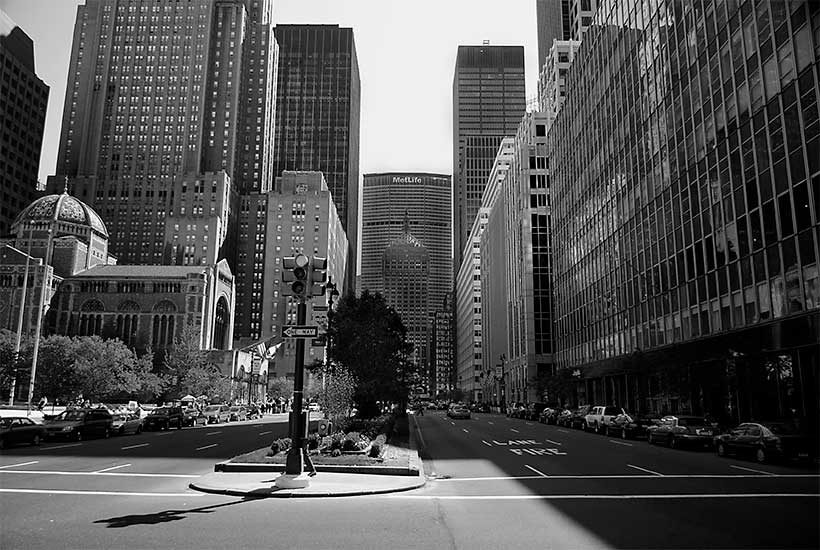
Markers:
{"x": 501, "y": 382}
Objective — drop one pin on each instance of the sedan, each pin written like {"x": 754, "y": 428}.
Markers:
{"x": 630, "y": 426}
{"x": 216, "y": 413}
{"x": 126, "y": 424}
{"x": 677, "y": 431}
{"x": 459, "y": 412}
{"x": 238, "y": 413}
{"x": 19, "y": 429}
{"x": 765, "y": 441}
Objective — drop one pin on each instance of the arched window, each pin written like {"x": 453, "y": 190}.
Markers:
{"x": 221, "y": 323}
{"x": 165, "y": 306}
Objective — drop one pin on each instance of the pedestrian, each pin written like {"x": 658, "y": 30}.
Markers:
{"x": 43, "y": 402}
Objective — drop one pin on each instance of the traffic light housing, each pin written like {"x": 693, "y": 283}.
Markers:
{"x": 318, "y": 275}
{"x": 296, "y": 276}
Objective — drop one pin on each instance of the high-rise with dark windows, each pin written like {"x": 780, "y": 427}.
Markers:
{"x": 488, "y": 103}
{"x": 317, "y": 116}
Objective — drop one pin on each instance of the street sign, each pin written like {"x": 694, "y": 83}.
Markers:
{"x": 319, "y": 342}
{"x": 319, "y": 307}
{"x": 300, "y": 331}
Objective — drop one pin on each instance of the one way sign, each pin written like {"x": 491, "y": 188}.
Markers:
{"x": 300, "y": 331}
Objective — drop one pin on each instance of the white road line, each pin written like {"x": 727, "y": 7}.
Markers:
{"x": 453, "y": 423}
{"x": 528, "y": 423}
{"x": 264, "y": 433}
{"x": 513, "y": 430}
{"x": 636, "y": 476}
{"x": 112, "y": 468}
{"x": 99, "y": 493}
{"x": 553, "y": 442}
{"x": 603, "y": 497}
{"x": 465, "y": 430}
{"x": 620, "y": 443}
{"x": 487, "y": 444}
{"x": 21, "y": 464}
{"x": 562, "y": 431}
{"x": 111, "y": 474}
{"x": 169, "y": 432}
{"x": 645, "y": 470}
{"x": 60, "y": 447}
{"x": 213, "y": 433}
{"x": 490, "y": 423}
{"x": 134, "y": 446}
{"x": 542, "y": 474}
{"x": 206, "y": 447}
{"x": 751, "y": 470}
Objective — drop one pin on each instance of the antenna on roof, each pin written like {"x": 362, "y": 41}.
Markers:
{"x": 65, "y": 188}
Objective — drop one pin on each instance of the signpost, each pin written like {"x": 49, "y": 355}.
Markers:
{"x": 300, "y": 331}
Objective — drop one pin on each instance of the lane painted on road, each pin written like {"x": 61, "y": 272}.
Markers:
{"x": 605, "y": 497}
{"x": 542, "y": 474}
{"x": 112, "y": 468}
{"x": 486, "y": 443}
{"x": 206, "y": 447}
{"x": 645, "y": 470}
{"x": 465, "y": 430}
{"x": 60, "y": 447}
{"x": 265, "y": 433}
{"x": 621, "y": 443}
{"x": 134, "y": 446}
{"x": 213, "y": 433}
{"x": 750, "y": 470}
{"x": 632, "y": 476}
{"x": 18, "y": 465}
{"x": 99, "y": 493}
{"x": 108, "y": 474}
{"x": 553, "y": 442}
{"x": 514, "y": 430}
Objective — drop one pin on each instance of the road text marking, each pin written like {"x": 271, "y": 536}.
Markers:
{"x": 60, "y": 447}
{"x": 21, "y": 464}
{"x": 645, "y": 470}
{"x": 751, "y": 470}
{"x": 206, "y": 447}
{"x": 620, "y": 443}
{"x": 111, "y": 468}
{"x": 134, "y": 446}
{"x": 536, "y": 452}
{"x": 551, "y": 441}
{"x": 542, "y": 474}
{"x": 99, "y": 493}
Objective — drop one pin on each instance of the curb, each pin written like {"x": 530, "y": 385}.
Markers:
{"x": 242, "y": 467}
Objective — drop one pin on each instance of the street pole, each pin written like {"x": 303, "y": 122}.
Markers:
{"x": 297, "y": 457}
{"x": 20, "y": 317}
{"x": 40, "y": 307}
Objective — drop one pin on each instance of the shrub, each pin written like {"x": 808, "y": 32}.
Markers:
{"x": 336, "y": 452}
{"x": 337, "y": 440}
{"x": 351, "y": 441}
{"x": 313, "y": 441}
{"x": 377, "y": 446}
{"x": 280, "y": 445}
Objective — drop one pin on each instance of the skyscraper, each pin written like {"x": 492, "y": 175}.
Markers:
{"x": 488, "y": 103}
{"x": 168, "y": 116}
{"x": 552, "y": 18}
{"x": 23, "y": 99}
{"x": 425, "y": 198}
{"x": 317, "y": 117}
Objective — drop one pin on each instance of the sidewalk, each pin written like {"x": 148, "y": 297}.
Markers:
{"x": 257, "y": 480}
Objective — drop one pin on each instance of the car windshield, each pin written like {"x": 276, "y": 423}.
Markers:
{"x": 691, "y": 422}
{"x": 71, "y": 416}
{"x": 782, "y": 428}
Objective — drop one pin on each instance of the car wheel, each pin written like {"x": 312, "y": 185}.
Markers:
{"x": 36, "y": 440}
{"x": 673, "y": 442}
{"x": 121, "y": 431}
{"x": 107, "y": 433}
{"x": 650, "y": 439}
{"x": 760, "y": 455}
{"x": 623, "y": 433}
{"x": 721, "y": 449}
{"x": 597, "y": 428}
{"x": 139, "y": 430}
{"x": 78, "y": 436}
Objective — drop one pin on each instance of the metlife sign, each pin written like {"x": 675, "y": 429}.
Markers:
{"x": 406, "y": 179}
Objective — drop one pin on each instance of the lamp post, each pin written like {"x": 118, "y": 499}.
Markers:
{"x": 501, "y": 382}
{"x": 331, "y": 292}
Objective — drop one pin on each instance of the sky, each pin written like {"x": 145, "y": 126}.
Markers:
{"x": 406, "y": 51}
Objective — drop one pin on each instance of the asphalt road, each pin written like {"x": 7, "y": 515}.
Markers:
{"x": 494, "y": 482}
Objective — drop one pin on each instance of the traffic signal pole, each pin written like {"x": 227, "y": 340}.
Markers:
{"x": 298, "y": 457}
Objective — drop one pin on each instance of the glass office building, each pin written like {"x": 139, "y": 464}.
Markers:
{"x": 685, "y": 168}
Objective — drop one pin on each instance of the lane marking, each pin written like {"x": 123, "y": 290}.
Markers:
{"x": 604, "y": 497}
{"x": 21, "y": 464}
{"x": 553, "y": 442}
{"x": 490, "y": 423}
{"x": 645, "y": 470}
{"x": 465, "y": 430}
{"x": 99, "y": 493}
{"x": 134, "y": 446}
{"x": 453, "y": 423}
{"x": 111, "y": 474}
{"x": 620, "y": 443}
{"x": 213, "y": 433}
{"x": 206, "y": 447}
{"x": 60, "y": 447}
{"x": 487, "y": 444}
{"x": 169, "y": 432}
{"x": 636, "y": 476}
{"x": 751, "y": 470}
{"x": 542, "y": 474}
{"x": 562, "y": 431}
{"x": 514, "y": 430}
{"x": 111, "y": 468}
{"x": 528, "y": 423}
{"x": 264, "y": 433}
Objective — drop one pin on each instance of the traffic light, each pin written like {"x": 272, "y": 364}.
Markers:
{"x": 318, "y": 275}
{"x": 295, "y": 275}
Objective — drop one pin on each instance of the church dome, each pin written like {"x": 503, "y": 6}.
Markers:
{"x": 62, "y": 209}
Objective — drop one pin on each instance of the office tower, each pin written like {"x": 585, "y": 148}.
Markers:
{"x": 168, "y": 116}
{"x": 552, "y": 78}
{"x": 552, "y": 18}
{"x": 23, "y": 100}
{"x": 581, "y": 13}
{"x": 488, "y": 102}
{"x": 425, "y": 198}
{"x": 299, "y": 216}
{"x": 467, "y": 309}
{"x": 685, "y": 209}
{"x": 406, "y": 288}
{"x": 441, "y": 366}
{"x": 317, "y": 118}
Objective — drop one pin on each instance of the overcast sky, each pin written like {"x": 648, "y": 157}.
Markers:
{"x": 406, "y": 52}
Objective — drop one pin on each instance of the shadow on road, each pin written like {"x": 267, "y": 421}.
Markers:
{"x": 165, "y": 516}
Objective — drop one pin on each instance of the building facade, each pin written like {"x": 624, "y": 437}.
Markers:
{"x": 425, "y": 198}
{"x": 469, "y": 327}
{"x": 441, "y": 366}
{"x": 488, "y": 102}
{"x": 552, "y": 19}
{"x": 318, "y": 113}
{"x": 23, "y": 101}
{"x": 685, "y": 210}
{"x": 552, "y": 79}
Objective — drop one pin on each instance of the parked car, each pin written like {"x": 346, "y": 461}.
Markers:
{"x": 579, "y": 416}
{"x": 15, "y": 430}
{"x": 550, "y": 415}
{"x": 459, "y": 411}
{"x": 631, "y": 426}
{"x": 79, "y": 424}
{"x": 163, "y": 418}
{"x": 516, "y": 411}
{"x": 193, "y": 416}
{"x": 563, "y": 418}
{"x": 238, "y": 413}
{"x": 254, "y": 412}
{"x": 533, "y": 410}
{"x": 216, "y": 413}
{"x": 600, "y": 417}
{"x": 765, "y": 441}
{"x": 677, "y": 431}
{"x": 125, "y": 423}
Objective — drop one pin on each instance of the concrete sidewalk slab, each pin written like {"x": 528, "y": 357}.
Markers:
{"x": 323, "y": 484}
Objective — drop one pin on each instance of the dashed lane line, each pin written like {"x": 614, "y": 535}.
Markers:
{"x": 562, "y": 431}
{"x": 604, "y": 497}
{"x": 18, "y": 465}
{"x": 206, "y": 447}
{"x": 112, "y": 468}
{"x": 632, "y": 476}
{"x": 169, "y": 432}
{"x": 645, "y": 470}
{"x": 490, "y": 423}
{"x": 465, "y": 430}
{"x": 751, "y": 470}
{"x": 99, "y": 493}
{"x": 60, "y": 447}
{"x": 453, "y": 423}
{"x": 553, "y": 442}
{"x": 213, "y": 433}
{"x": 265, "y": 433}
{"x": 620, "y": 443}
{"x": 542, "y": 474}
{"x": 487, "y": 444}
{"x": 514, "y": 430}
{"x": 134, "y": 446}
{"x": 528, "y": 423}
{"x": 109, "y": 474}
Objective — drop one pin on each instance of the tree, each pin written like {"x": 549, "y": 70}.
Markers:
{"x": 186, "y": 354}
{"x": 370, "y": 341}
{"x": 7, "y": 364}
{"x": 336, "y": 397}
{"x": 280, "y": 387}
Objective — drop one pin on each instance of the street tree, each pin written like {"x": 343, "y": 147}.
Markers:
{"x": 336, "y": 392}
{"x": 370, "y": 341}
{"x": 186, "y": 354}
{"x": 7, "y": 364}
{"x": 280, "y": 387}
